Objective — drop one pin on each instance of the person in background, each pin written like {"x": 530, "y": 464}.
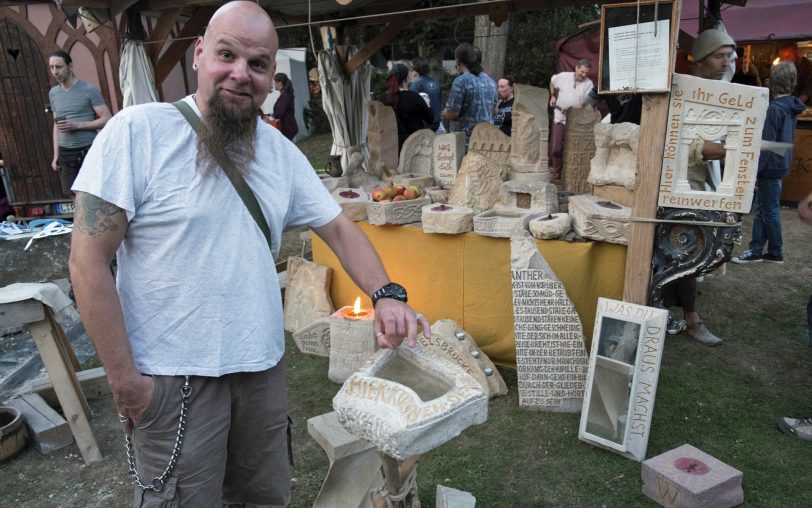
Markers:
{"x": 423, "y": 83}
{"x": 779, "y": 126}
{"x": 803, "y": 87}
{"x": 411, "y": 111}
{"x": 79, "y": 112}
{"x": 503, "y": 116}
{"x": 284, "y": 109}
{"x": 567, "y": 90}
{"x": 195, "y": 362}
{"x": 473, "y": 94}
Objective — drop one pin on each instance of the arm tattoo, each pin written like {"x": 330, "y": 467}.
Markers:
{"x": 95, "y": 216}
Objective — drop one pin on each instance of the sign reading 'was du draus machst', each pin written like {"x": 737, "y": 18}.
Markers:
{"x": 708, "y": 110}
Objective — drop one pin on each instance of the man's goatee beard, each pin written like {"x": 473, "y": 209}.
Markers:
{"x": 226, "y": 130}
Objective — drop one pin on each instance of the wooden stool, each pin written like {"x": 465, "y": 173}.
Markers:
{"x": 61, "y": 363}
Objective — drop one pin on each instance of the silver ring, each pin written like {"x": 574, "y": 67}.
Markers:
{"x": 378, "y": 334}
{"x": 418, "y": 316}
{"x": 122, "y": 418}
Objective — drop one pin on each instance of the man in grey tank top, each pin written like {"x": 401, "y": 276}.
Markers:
{"x": 79, "y": 113}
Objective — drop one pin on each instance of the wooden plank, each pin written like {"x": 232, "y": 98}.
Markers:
{"x": 93, "y": 383}
{"x": 68, "y": 354}
{"x": 649, "y": 164}
{"x": 19, "y": 313}
{"x": 67, "y": 389}
{"x": 161, "y": 31}
{"x": 370, "y": 48}
{"x": 46, "y": 427}
{"x": 173, "y": 54}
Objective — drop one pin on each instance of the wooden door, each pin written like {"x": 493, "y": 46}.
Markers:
{"x": 26, "y": 129}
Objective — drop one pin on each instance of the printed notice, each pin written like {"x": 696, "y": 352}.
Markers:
{"x": 639, "y": 59}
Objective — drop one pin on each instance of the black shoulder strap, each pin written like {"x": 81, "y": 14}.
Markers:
{"x": 234, "y": 176}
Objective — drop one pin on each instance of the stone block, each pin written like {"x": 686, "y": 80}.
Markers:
{"x": 551, "y": 361}
{"x": 353, "y": 202}
{"x": 489, "y": 141}
{"x": 46, "y": 428}
{"x": 531, "y": 127}
{"x": 550, "y": 227}
{"x": 535, "y": 177}
{"x": 453, "y": 498}
{"x": 615, "y": 160}
{"x": 502, "y": 223}
{"x": 442, "y": 218}
{"x": 382, "y": 139}
{"x": 536, "y": 197}
{"x": 334, "y": 182}
{"x": 352, "y": 342}
{"x": 438, "y": 194}
{"x": 449, "y": 150}
{"x": 409, "y": 401}
{"x": 450, "y": 340}
{"x": 307, "y": 293}
{"x": 314, "y": 339}
{"x": 687, "y": 477}
{"x": 478, "y": 182}
{"x": 413, "y": 179}
{"x": 417, "y": 154}
{"x": 600, "y": 220}
{"x": 396, "y": 212}
{"x": 579, "y": 148}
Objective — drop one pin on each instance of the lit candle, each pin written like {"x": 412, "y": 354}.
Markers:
{"x": 356, "y": 312}
{"x": 352, "y": 340}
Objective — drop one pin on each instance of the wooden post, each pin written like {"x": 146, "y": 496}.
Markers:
{"x": 653, "y": 124}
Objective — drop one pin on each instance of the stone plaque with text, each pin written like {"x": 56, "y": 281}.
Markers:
{"x": 551, "y": 359}
{"x": 448, "y": 152}
{"x": 707, "y": 110}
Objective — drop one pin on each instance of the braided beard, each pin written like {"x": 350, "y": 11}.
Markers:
{"x": 226, "y": 130}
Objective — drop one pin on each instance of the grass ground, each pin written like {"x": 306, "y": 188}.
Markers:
{"x": 722, "y": 400}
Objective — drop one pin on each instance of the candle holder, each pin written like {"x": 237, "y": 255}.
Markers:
{"x": 352, "y": 341}
{"x": 442, "y": 218}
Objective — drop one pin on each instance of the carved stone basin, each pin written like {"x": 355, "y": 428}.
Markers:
{"x": 409, "y": 401}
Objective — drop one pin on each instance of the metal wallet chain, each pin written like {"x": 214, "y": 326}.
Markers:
{"x": 158, "y": 482}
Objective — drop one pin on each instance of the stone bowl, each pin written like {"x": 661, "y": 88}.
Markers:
{"x": 408, "y": 401}
{"x": 551, "y": 226}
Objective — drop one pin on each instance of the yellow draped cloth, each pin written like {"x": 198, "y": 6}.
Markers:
{"x": 466, "y": 278}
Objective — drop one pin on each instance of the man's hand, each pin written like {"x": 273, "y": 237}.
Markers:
{"x": 55, "y": 164}
{"x": 805, "y": 211}
{"x": 67, "y": 126}
{"x": 552, "y": 101}
{"x": 132, "y": 398}
{"x": 396, "y": 321}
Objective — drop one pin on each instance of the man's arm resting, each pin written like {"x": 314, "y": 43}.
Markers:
{"x": 393, "y": 318}
{"x": 102, "y": 117}
{"x": 55, "y": 162}
{"x": 99, "y": 229}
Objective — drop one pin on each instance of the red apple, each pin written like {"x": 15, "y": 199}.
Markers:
{"x": 410, "y": 193}
{"x": 378, "y": 194}
{"x": 399, "y": 198}
{"x": 399, "y": 190}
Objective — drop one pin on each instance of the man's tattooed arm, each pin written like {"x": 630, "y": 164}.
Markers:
{"x": 94, "y": 216}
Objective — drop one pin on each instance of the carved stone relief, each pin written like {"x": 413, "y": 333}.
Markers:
{"x": 417, "y": 154}
{"x": 615, "y": 160}
{"x": 579, "y": 148}
{"x": 491, "y": 142}
{"x": 478, "y": 182}
{"x": 382, "y": 140}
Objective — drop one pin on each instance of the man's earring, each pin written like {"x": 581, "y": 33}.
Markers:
{"x": 194, "y": 66}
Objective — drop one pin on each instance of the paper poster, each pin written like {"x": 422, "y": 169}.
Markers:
{"x": 639, "y": 59}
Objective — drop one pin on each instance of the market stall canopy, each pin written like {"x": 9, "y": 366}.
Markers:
{"x": 758, "y": 20}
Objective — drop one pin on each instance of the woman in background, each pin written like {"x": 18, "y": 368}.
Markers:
{"x": 283, "y": 110}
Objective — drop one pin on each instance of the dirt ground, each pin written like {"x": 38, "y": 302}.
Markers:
{"x": 62, "y": 480}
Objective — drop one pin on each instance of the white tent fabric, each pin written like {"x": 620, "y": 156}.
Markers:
{"x": 136, "y": 75}
{"x": 345, "y": 104}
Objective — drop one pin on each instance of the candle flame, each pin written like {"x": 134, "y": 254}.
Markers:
{"x": 356, "y": 309}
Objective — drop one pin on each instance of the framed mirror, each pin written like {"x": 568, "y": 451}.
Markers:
{"x": 624, "y": 366}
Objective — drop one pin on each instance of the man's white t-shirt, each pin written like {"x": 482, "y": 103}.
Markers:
{"x": 196, "y": 279}
{"x": 571, "y": 94}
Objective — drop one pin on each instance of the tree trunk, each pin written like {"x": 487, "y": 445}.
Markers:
{"x": 493, "y": 41}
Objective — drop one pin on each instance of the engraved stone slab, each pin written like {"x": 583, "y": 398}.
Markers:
{"x": 615, "y": 194}
{"x": 579, "y": 148}
{"x": 408, "y": 401}
{"x": 615, "y": 160}
{"x": 447, "y": 219}
{"x": 624, "y": 367}
{"x": 527, "y": 177}
{"x": 438, "y": 194}
{"x": 353, "y": 202}
{"x": 551, "y": 359}
{"x": 450, "y": 340}
{"x": 382, "y": 139}
{"x": 478, "y": 182}
{"x": 549, "y": 227}
{"x": 531, "y": 128}
{"x": 709, "y": 110}
{"x": 418, "y": 180}
{"x": 396, "y": 212}
{"x": 489, "y": 141}
{"x": 453, "y": 498}
{"x": 448, "y": 152}
{"x": 540, "y": 197}
{"x": 417, "y": 154}
{"x": 307, "y": 293}
{"x": 600, "y": 220}
{"x": 352, "y": 343}
{"x": 314, "y": 339}
{"x": 502, "y": 223}
{"x": 333, "y": 183}
{"x": 687, "y": 477}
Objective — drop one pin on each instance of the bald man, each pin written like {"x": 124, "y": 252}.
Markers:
{"x": 191, "y": 332}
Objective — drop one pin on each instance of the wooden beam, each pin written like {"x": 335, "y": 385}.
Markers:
{"x": 173, "y": 54}
{"x": 653, "y": 123}
{"x": 163, "y": 28}
{"x": 376, "y": 43}
{"x": 94, "y": 4}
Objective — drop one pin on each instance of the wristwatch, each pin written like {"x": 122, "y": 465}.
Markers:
{"x": 391, "y": 290}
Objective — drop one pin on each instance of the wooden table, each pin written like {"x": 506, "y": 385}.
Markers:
{"x": 61, "y": 363}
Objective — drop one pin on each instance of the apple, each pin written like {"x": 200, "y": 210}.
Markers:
{"x": 399, "y": 190}
{"x": 410, "y": 193}
{"x": 399, "y": 198}
{"x": 378, "y": 194}
{"x": 390, "y": 191}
